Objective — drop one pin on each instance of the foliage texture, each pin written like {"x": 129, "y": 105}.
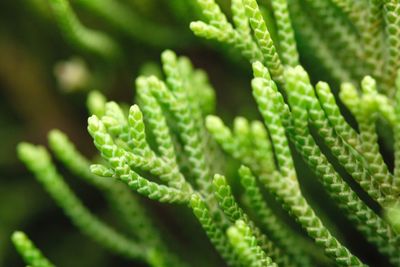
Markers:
{"x": 170, "y": 147}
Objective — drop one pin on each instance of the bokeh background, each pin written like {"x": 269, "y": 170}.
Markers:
{"x": 44, "y": 81}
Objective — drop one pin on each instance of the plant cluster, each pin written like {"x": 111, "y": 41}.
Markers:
{"x": 170, "y": 147}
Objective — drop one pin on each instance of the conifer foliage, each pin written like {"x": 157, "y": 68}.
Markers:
{"x": 170, "y": 146}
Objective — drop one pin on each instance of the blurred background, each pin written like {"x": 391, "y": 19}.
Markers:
{"x": 44, "y": 81}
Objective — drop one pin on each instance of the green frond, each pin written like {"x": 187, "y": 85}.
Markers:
{"x": 348, "y": 157}
{"x": 156, "y": 120}
{"x": 214, "y": 233}
{"x": 119, "y": 195}
{"x": 257, "y": 152}
{"x": 223, "y": 136}
{"x": 232, "y": 210}
{"x": 241, "y": 130}
{"x": 121, "y": 160}
{"x": 38, "y": 161}
{"x": 392, "y": 19}
{"x": 96, "y": 103}
{"x": 206, "y": 31}
{"x": 226, "y": 200}
{"x": 200, "y": 92}
{"x": 218, "y": 28}
{"x": 136, "y": 133}
{"x": 188, "y": 123}
{"x": 335, "y": 184}
{"x": 287, "y": 42}
{"x": 78, "y": 35}
{"x": 369, "y": 138}
{"x": 264, "y": 40}
{"x": 334, "y": 116}
{"x": 246, "y": 247}
{"x": 31, "y": 255}
{"x": 65, "y": 151}
{"x": 262, "y": 148}
{"x": 213, "y": 14}
{"x": 268, "y": 99}
{"x": 240, "y": 19}
{"x": 279, "y": 232}
{"x": 350, "y": 97}
{"x": 284, "y": 186}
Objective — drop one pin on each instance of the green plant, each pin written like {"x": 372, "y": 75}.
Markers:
{"x": 166, "y": 147}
